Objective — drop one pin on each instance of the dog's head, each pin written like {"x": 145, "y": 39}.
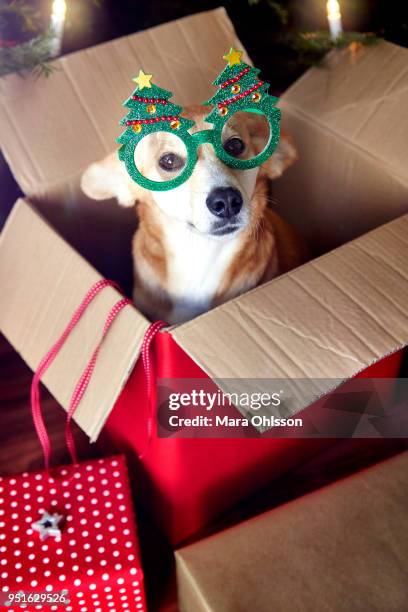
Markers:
{"x": 216, "y": 199}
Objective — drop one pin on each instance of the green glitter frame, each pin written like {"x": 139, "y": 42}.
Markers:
{"x": 193, "y": 141}
{"x": 265, "y": 105}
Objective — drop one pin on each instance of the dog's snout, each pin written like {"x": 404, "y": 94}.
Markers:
{"x": 224, "y": 202}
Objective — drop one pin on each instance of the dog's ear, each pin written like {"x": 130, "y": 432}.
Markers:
{"x": 108, "y": 179}
{"x": 284, "y": 156}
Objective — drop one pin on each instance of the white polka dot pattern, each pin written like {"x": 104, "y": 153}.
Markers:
{"x": 96, "y": 559}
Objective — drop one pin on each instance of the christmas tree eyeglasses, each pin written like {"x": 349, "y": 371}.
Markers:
{"x": 159, "y": 152}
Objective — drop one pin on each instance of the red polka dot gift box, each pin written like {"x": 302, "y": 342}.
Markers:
{"x": 69, "y": 534}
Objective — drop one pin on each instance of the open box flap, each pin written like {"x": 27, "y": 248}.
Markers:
{"x": 42, "y": 281}
{"x": 362, "y": 97}
{"x": 85, "y": 93}
{"x": 349, "y": 122}
{"x": 328, "y": 319}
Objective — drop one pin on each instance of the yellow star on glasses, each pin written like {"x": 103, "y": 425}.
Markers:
{"x": 143, "y": 80}
{"x": 233, "y": 57}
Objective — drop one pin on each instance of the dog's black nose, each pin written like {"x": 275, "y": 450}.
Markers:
{"x": 224, "y": 202}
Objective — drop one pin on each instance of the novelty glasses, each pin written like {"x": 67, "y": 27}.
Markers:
{"x": 159, "y": 152}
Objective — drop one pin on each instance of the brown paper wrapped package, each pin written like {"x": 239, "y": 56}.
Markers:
{"x": 343, "y": 548}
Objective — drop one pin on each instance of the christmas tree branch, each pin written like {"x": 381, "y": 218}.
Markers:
{"x": 30, "y": 56}
{"x": 313, "y": 46}
{"x": 19, "y": 55}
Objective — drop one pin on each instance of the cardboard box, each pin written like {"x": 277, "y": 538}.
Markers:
{"x": 331, "y": 318}
{"x": 341, "y": 548}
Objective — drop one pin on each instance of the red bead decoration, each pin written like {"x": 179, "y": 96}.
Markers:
{"x": 149, "y": 100}
{"x": 153, "y": 120}
{"x": 241, "y": 95}
{"x": 235, "y": 79}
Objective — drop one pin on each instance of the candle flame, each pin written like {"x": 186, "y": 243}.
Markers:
{"x": 59, "y": 8}
{"x": 333, "y": 9}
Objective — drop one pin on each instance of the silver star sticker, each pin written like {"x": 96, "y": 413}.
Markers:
{"x": 48, "y": 525}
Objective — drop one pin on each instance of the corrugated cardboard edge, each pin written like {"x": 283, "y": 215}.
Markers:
{"x": 42, "y": 281}
{"x": 356, "y": 300}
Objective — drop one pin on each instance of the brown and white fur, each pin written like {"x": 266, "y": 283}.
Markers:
{"x": 186, "y": 259}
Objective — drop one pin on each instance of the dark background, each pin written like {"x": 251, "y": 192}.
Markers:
{"x": 258, "y": 24}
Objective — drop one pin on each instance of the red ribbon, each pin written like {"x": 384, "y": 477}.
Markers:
{"x": 87, "y": 373}
{"x": 148, "y": 367}
{"x": 85, "y": 378}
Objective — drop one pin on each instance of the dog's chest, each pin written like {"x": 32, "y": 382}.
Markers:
{"x": 197, "y": 267}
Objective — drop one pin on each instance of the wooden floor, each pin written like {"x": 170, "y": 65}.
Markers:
{"x": 20, "y": 448}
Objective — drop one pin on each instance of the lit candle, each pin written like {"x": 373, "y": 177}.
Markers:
{"x": 59, "y": 8}
{"x": 334, "y": 17}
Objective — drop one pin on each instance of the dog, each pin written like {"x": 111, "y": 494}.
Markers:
{"x": 211, "y": 238}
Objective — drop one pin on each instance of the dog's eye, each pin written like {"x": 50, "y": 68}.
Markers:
{"x": 234, "y": 146}
{"x": 171, "y": 162}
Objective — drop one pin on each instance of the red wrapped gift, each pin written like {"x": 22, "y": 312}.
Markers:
{"x": 95, "y": 559}
{"x": 68, "y": 534}
{"x": 189, "y": 482}
{"x": 186, "y": 483}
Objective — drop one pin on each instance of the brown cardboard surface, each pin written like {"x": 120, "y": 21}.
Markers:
{"x": 342, "y": 548}
{"x": 42, "y": 281}
{"x": 330, "y": 318}
{"x": 349, "y": 121}
{"x": 363, "y": 97}
{"x": 52, "y": 129}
